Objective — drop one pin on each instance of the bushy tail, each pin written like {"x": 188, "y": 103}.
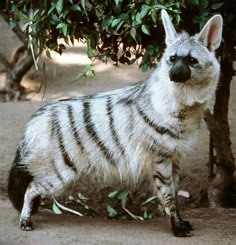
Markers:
{"x": 18, "y": 181}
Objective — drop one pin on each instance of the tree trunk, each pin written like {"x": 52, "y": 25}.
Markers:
{"x": 220, "y": 189}
{"x": 222, "y": 166}
{"x": 19, "y": 67}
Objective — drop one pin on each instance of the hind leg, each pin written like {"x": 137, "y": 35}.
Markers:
{"x": 25, "y": 218}
{"x": 44, "y": 186}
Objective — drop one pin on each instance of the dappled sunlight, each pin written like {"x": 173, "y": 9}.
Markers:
{"x": 76, "y": 55}
{"x": 69, "y": 58}
{"x": 61, "y": 81}
{"x": 56, "y": 78}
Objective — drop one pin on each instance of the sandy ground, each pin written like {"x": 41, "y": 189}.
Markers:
{"x": 211, "y": 226}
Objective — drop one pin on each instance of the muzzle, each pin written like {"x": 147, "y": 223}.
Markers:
{"x": 179, "y": 72}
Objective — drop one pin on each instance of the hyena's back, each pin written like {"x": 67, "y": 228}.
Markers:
{"x": 69, "y": 138}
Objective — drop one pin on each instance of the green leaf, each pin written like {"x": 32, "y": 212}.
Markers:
{"x": 12, "y": 24}
{"x": 36, "y": 12}
{"x": 89, "y": 71}
{"x": 64, "y": 29}
{"x": 89, "y": 74}
{"x": 51, "y": 9}
{"x": 122, "y": 195}
{"x": 145, "y": 30}
{"x": 131, "y": 61}
{"x": 13, "y": 7}
{"x": 178, "y": 19}
{"x": 117, "y": 2}
{"x": 133, "y": 33}
{"x": 154, "y": 15}
{"x": 115, "y": 22}
{"x": 67, "y": 209}
{"x": 55, "y": 18}
{"x": 145, "y": 214}
{"x": 138, "y": 18}
{"x": 119, "y": 25}
{"x": 75, "y": 7}
{"x": 113, "y": 194}
{"x": 107, "y": 21}
{"x": 103, "y": 58}
{"x": 144, "y": 11}
{"x": 159, "y": 6}
{"x": 144, "y": 67}
{"x": 83, "y": 3}
{"x": 123, "y": 217}
{"x": 90, "y": 52}
{"x": 59, "y": 6}
{"x": 195, "y": 2}
{"x": 48, "y": 54}
{"x": 27, "y": 24}
{"x": 111, "y": 211}
{"x": 123, "y": 16}
{"x": 203, "y": 4}
{"x": 60, "y": 26}
{"x": 55, "y": 209}
{"x": 216, "y": 5}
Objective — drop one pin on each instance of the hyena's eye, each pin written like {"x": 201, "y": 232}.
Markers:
{"x": 193, "y": 61}
{"x": 173, "y": 58}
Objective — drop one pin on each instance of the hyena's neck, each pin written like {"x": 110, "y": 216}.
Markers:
{"x": 171, "y": 101}
{"x": 166, "y": 93}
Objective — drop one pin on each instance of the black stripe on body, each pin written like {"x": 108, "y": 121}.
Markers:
{"x": 112, "y": 126}
{"x": 74, "y": 129}
{"x": 49, "y": 184}
{"x": 57, "y": 172}
{"x": 40, "y": 111}
{"x": 164, "y": 156}
{"x": 159, "y": 129}
{"x": 57, "y": 130}
{"x": 44, "y": 186}
{"x": 92, "y": 132}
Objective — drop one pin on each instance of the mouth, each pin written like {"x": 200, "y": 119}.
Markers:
{"x": 192, "y": 82}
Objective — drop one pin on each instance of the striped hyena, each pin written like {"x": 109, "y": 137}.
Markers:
{"x": 143, "y": 129}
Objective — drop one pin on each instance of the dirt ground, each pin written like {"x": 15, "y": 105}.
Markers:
{"x": 216, "y": 226}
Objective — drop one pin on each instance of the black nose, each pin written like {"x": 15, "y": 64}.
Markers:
{"x": 180, "y": 72}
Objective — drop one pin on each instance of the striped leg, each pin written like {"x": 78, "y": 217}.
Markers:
{"x": 166, "y": 177}
{"x": 25, "y": 218}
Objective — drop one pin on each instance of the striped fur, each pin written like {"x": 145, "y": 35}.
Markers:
{"x": 122, "y": 135}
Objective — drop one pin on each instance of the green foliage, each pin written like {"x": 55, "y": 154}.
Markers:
{"x": 116, "y": 29}
{"x": 120, "y": 198}
{"x": 55, "y": 209}
{"x": 111, "y": 212}
{"x": 121, "y": 30}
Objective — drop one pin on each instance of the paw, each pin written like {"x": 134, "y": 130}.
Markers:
{"x": 26, "y": 225}
{"x": 182, "y": 229}
{"x": 186, "y": 224}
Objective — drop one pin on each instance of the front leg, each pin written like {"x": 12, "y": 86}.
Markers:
{"x": 165, "y": 175}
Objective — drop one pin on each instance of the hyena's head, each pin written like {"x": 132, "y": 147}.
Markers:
{"x": 188, "y": 59}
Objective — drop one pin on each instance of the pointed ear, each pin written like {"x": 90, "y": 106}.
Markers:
{"x": 211, "y": 33}
{"x": 170, "y": 31}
